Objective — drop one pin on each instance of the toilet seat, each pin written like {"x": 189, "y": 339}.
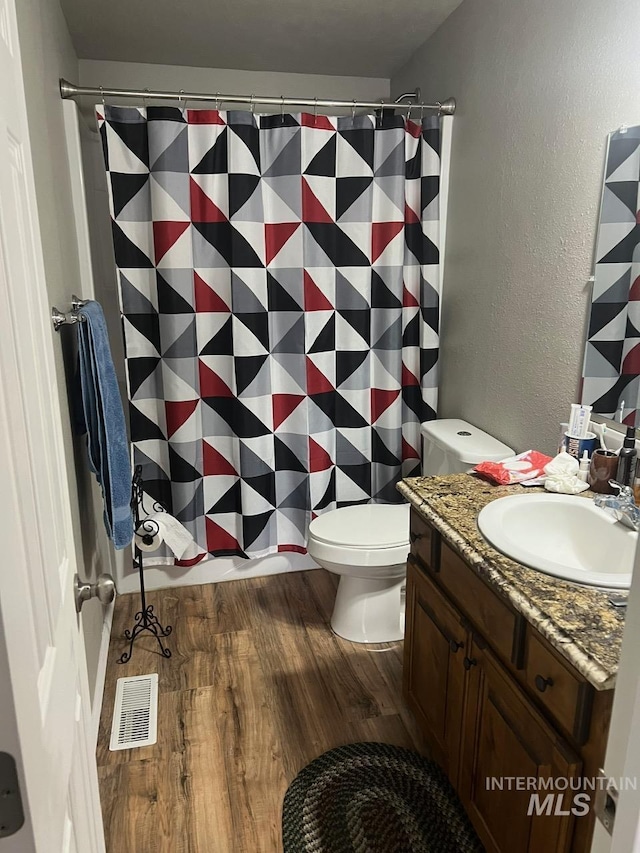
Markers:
{"x": 367, "y": 535}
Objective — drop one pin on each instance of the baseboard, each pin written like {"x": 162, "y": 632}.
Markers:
{"x": 101, "y": 673}
{"x": 215, "y": 570}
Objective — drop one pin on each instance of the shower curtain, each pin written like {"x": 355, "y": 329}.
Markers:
{"x": 278, "y": 278}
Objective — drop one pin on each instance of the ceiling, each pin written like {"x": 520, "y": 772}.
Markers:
{"x": 367, "y": 38}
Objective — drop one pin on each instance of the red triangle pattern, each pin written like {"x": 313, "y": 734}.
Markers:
{"x": 165, "y": 235}
{"x": 210, "y": 383}
{"x": 414, "y": 129}
{"x": 317, "y": 382}
{"x": 408, "y": 299}
{"x": 178, "y": 413}
{"x": 283, "y": 405}
{"x": 218, "y": 539}
{"x": 408, "y": 378}
{"x": 192, "y": 562}
{"x": 312, "y": 210}
{"x": 314, "y": 298}
{"x": 317, "y": 122}
{"x": 631, "y": 363}
{"x": 381, "y": 399}
{"x": 410, "y": 216}
{"x": 204, "y": 117}
{"x": 409, "y": 452}
{"x": 634, "y": 291}
{"x": 319, "y": 459}
{"x": 296, "y": 549}
{"x": 202, "y": 208}
{"x": 206, "y": 299}
{"x": 382, "y": 233}
{"x": 214, "y": 463}
{"x": 276, "y": 235}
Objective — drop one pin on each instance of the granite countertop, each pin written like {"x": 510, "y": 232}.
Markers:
{"x": 577, "y": 621}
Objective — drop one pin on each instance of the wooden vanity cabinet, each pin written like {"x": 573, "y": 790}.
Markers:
{"x": 434, "y": 677}
{"x": 473, "y": 670}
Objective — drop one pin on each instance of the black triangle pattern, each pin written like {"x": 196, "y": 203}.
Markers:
{"x": 613, "y": 338}
{"x": 276, "y": 368}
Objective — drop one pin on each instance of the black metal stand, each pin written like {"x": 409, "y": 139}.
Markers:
{"x": 145, "y": 618}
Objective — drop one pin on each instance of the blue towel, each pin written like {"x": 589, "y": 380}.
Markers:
{"x": 107, "y": 442}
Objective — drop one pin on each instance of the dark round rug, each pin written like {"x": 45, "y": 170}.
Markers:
{"x": 374, "y": 798}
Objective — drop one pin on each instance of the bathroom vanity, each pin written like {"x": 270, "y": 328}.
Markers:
{"x": 509, "y": 672}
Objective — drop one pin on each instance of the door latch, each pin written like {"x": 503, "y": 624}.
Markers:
{"x": 606, "y": 801}
{"x": 11, "y": 812}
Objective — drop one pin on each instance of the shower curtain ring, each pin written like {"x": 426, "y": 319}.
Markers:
{"x": 144, "y": 99}
{"x": 217, "y": 101}
{"x": 282, "y": 109}
{"x": 315, "y": 111}
{"x": 253, "y": 106}
{"x": 409, "y": 114}
{"x": 353, "y": 110}
{"x": 180, "y": 94}
{"x": 102, "y": 96}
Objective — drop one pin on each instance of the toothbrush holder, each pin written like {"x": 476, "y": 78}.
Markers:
{"x": 576, "y": 446}
{"x": 604, "y": 467}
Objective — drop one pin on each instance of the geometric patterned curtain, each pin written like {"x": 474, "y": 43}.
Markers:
{"x": 278, "y": 278}
{"x": 611, "y": 372}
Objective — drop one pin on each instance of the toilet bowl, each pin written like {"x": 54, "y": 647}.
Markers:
{"x": 367, "y": 545}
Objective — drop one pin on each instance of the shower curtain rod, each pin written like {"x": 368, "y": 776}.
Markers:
{"x": 69, "y": 90}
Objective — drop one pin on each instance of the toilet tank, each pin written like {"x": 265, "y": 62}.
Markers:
{"x": 452, "y": 446}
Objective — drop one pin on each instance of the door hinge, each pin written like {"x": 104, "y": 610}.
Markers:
{"x": 606, "y": 801}
{"x": 11, "y": 813}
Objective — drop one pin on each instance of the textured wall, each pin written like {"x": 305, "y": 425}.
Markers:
{"x": 539, "y": 86}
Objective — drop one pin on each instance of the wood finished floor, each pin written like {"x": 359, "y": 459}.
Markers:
{"x": 257, "y": 687}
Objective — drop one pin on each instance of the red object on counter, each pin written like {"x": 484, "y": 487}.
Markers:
{"x": 515, "y": 469}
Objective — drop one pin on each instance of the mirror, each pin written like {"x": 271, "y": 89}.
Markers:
{"x": 611, "y": 371}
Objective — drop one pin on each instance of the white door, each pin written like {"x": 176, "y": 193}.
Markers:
{"x": 45, "y": 709}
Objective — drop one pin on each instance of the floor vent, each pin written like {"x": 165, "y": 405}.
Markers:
{"x": 135, "y": 714}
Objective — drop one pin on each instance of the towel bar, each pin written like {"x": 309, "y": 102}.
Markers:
{"x": 58, "y": 318}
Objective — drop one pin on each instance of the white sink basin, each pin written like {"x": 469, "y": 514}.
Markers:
{"x": 562, "y": 535}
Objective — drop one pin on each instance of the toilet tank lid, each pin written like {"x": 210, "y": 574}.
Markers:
{"x": 464, "y": 441}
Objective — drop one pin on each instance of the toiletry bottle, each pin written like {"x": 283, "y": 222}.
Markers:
{"x": 628, "y": 459}
{"x": 583, "y": 471}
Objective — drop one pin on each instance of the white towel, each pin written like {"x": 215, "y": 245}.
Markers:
{"x": 173, "y": 533}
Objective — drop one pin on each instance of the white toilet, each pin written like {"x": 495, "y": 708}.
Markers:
{"x": 367, "y": 545}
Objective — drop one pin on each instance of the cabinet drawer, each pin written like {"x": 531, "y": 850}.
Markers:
{"x": 489, "y": 615}
{"x": 568, "y": 698}
{"x": 425, "y": 543}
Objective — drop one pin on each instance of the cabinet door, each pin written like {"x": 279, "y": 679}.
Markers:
{"x": 505, "y": 737}
{"x": 435, "y": 644}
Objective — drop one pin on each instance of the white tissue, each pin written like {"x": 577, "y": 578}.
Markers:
{"x": 170, "y": 531}
{"x": 562, "y": 475}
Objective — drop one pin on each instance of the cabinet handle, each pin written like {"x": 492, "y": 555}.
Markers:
{"x": 543, "y": 683}
{"x": 454, "y": 646}
{"x": 413, "y": 537}
{"x": 469, "y": 662}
